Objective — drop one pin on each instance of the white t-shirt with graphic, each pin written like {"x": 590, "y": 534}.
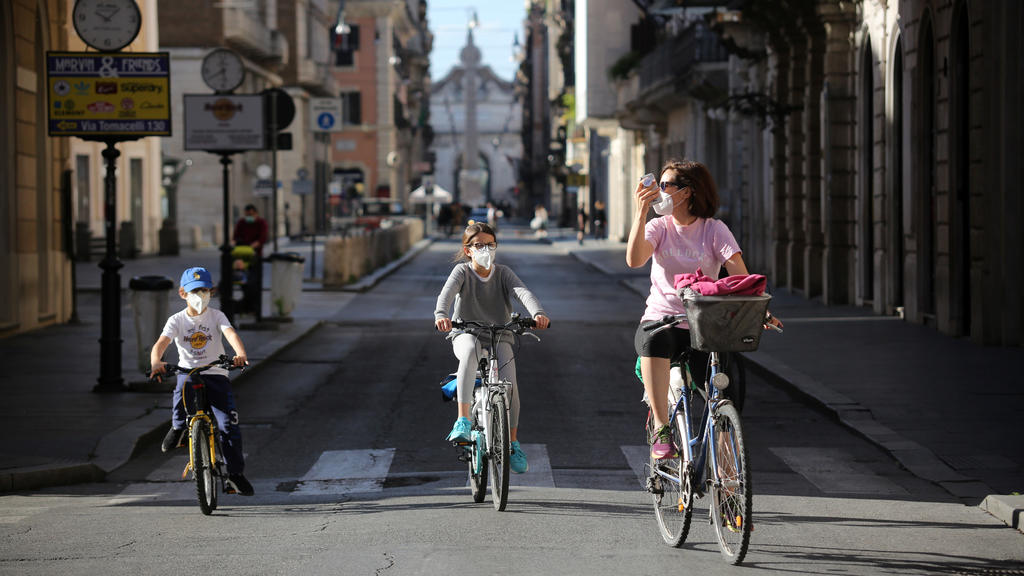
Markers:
{"x": 198, "y": 338}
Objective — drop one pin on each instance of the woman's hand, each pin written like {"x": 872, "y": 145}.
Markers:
{"x": 772, "y": 323}
{"x": 644, "y": 196}
{"x": 444, "y": 324}
{"x": 542, "y": 321}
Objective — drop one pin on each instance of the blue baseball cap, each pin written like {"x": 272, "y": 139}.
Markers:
{"x": 197, "y": 277}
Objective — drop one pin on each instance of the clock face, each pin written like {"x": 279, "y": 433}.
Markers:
{"x": 107, "y": 25}
{"x": 223, "y": 70}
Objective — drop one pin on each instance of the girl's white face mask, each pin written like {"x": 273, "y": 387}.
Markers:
{"x": 198, "y": 301}
{"x": 483, "y": 257}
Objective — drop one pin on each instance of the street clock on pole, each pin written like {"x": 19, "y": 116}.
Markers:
{"x": 107, "y": 25}
{"x": 223, "y": 70}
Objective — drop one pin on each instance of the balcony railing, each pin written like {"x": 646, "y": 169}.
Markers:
{"x": 675, "y": 58}
{"x": 247, "y": 32}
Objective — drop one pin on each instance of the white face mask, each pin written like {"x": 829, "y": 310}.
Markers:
{"x": 484, "y": 257}
{"x": 198, "y": 301}
{"x": 664, "y": 205}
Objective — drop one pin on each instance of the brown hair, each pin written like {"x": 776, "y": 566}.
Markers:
{"x": 704, "y": 197}
{"x": 471, "y": 232}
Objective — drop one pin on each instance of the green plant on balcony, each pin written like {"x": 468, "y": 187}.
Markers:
{"x": 622, "y": 67}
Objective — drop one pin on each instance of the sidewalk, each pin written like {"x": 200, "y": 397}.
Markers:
{"x": 49, "y": 374}
{"x": 912, "y": 391}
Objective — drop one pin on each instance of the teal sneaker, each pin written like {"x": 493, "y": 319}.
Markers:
{"x": 517, "y": 458}
{"x": 461, "y": 431}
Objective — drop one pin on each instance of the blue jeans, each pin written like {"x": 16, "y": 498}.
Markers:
{"x": 222, "y": 401}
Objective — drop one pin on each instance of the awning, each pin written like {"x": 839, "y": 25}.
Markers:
{"x": 438, "y": 195}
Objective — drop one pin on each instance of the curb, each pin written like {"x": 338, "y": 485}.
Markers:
{"x": 370, "y": 280}
{"x": 917, "y": 459}
{"x": 120, "y": 445}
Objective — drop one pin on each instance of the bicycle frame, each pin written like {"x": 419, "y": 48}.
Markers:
{"x": 703, "y": 444}
{"x": 492, "y": 386}
{"x": 200, "y": 414}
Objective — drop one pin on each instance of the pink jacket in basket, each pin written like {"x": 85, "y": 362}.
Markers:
{"x": 749, "y": 285}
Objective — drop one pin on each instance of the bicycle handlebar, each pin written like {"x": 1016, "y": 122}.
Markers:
{"x": 516, "y": 324}
{"x": 223, "y": 361}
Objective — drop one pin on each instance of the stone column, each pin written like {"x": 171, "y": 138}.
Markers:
{"x": 814, "y": 242}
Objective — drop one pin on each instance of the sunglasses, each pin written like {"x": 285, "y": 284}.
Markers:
{"x": 664, "y": 185}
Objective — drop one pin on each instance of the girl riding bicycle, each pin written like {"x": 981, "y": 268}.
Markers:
{"x": 685, "y": 237}
{"x": 482, "y": 291}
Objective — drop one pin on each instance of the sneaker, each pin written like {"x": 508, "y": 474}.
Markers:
{"x": 237, "y": 484}
{"x": 461, "y": 431}
{"x": 172, "y": 440}
{"x": 517, "y": 459}
{"x": 661, "y": 444}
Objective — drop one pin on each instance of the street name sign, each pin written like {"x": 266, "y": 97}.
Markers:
{"x": 105, "y": 94}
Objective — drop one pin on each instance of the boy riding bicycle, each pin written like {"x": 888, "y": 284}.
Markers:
{"x": 196, "y": 333}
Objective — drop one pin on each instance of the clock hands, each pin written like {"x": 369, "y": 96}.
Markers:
{"x": 107, "y": 14}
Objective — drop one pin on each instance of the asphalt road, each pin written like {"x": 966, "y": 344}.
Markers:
{"x": 344, "y": 441}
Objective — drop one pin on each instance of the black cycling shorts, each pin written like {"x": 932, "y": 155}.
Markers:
{"x": 670, "y": 343}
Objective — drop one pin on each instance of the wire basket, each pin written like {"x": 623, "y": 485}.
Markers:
{"x": 725, "y": 323}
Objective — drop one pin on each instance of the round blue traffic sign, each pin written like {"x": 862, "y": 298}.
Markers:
{"x": 325, "y": 120}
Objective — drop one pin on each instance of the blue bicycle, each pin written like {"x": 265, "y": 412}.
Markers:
{"x": 712, "y": 457}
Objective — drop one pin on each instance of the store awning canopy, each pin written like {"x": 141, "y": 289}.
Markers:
{"x": 437, "y": 195}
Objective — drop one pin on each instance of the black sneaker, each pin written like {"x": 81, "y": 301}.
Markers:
{"x": 237, "y": 484}
{"x": 172, "y": 440}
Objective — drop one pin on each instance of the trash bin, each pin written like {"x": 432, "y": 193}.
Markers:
{"x": 150, "y": 303}
{"x": 285, "y": 282}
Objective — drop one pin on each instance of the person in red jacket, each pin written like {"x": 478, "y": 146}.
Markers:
{"x": 251, "y": 230}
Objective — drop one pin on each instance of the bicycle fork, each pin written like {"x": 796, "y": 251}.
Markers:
{"x": 190, "y": 466}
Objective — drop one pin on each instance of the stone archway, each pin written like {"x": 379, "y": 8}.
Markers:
{"x": 960, "y": 162}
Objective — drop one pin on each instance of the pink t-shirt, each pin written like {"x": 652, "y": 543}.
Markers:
{"x": 705, "y": 244}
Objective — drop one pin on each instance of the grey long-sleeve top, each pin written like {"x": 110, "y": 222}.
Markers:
{"x": 484, "y": 299}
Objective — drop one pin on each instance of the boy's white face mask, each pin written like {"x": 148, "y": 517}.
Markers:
{"x": 483, "y": 257}
{"x": 198, "y": 300}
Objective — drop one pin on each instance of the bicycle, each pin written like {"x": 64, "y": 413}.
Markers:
{"x": 204, "y": 445}
{"x": 713, "y": 455}
{"x": 489, "y": 414}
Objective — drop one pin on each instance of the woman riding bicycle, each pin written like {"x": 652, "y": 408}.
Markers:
{"x": 482, "y": 291}
{"x": 685, "y": 237}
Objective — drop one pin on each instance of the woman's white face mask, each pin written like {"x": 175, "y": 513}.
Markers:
{"x": 665, "y": 204}
{"x": 483, "y": 257}
{"x": 198, "y": 300}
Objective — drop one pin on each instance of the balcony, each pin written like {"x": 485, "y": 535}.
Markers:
{"x": 244, "y": 31}
{"x": 315, "y": 77}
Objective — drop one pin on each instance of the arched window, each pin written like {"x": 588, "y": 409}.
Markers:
{"x": 866, "y": 231}
{"x": 960, "y": 245}
{"x": 926, "y": 166}
{"x": 896, "y": 188}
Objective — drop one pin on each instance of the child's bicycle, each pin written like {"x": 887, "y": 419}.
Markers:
{"x": 489, "y": 414}
{"x": 204, "y": 448}
{"x": 713, "y": 455}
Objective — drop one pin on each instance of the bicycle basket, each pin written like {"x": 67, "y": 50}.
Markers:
{"x": 725, "y": 323}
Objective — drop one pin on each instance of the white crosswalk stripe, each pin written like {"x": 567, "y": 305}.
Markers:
{"x": 347, "y": 471}
{"x": 338, "y": 472}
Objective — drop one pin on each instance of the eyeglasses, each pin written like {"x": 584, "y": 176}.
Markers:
{"x": 481, "y": 245}
{"x": 664, "y": 185}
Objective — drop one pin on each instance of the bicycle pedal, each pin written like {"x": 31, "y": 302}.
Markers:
{"x": 188, "y": 468}
{"x": 462, "y": 444}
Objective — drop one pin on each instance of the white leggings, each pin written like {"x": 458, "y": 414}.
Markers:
{"x": 467, "y": 349}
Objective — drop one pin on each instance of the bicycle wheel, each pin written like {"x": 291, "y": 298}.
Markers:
{"x": 498, "y": 454}
{"x": 478, "y": 467}
{"x": 202, "y": 466}
{"x": 670, "y": 490}
{"x": 731, "y": 493}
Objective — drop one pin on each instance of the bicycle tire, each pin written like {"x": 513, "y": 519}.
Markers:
{"x": 732, "y": 491}
{"x": 478, "y": 461}
{"x": 673, "y": 507}
{"x": 499, "y": 453}
{"x": 202, "y": 466}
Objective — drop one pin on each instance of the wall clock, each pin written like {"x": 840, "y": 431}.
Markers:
{"x": 107, "y": 25}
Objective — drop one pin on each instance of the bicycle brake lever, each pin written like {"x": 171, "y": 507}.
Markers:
{"x": 532, "y": 335}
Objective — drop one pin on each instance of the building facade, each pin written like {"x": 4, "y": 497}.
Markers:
{"x": 498, "y": 143}
{"x": 863, "y": 150}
